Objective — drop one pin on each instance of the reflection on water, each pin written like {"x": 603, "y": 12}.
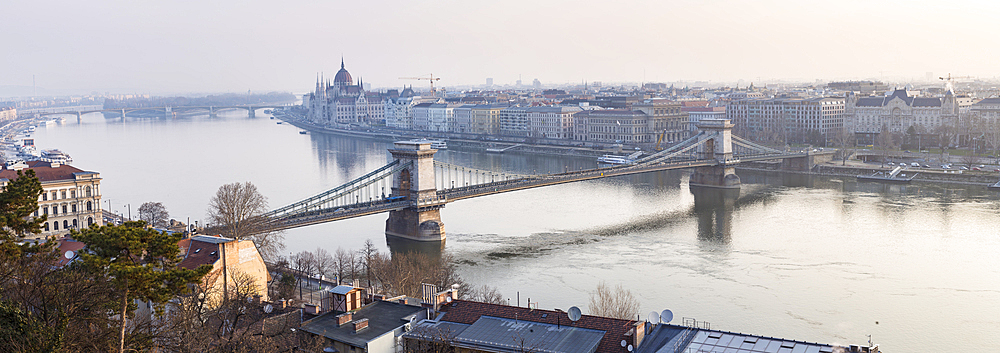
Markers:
{"x": 399, "y": 245}
{"x": 714, "y": 209}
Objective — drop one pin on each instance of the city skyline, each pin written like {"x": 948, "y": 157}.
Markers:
{"x": 121, "y": 47}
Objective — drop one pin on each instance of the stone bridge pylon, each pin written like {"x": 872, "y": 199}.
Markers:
{"x": 719, "y": 146}
{"x": 420, "y": 221}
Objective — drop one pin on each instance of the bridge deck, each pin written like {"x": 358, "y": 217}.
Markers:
{"x": 466, "y": 192}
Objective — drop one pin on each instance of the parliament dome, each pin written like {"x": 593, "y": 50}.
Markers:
{"x": 343, "y": 77}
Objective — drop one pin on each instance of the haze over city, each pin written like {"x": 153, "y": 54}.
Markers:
{"x": 235, "y": 46}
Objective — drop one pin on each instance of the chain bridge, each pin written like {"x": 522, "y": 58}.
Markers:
{"x": 414, "y": 187}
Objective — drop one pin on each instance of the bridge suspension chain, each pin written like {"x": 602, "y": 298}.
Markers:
{"x": 450, "y": 176}
{"x": 671, "y": 149}
{"x": 371, "y": 186}
{"x": 753, "y": 146}
{"x": 703, "y": 138}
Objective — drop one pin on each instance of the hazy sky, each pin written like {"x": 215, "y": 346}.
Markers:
{"x": 210, "y": 46}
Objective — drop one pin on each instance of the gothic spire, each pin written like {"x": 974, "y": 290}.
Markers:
{"x": 342, "y": 62}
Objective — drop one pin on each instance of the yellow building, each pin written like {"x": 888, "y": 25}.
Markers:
{"x": 237, "y": 267}
{"x": 71, "y": 197}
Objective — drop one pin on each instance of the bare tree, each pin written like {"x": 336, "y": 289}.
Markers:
{"x": 486, "y": 294}
{"x": 885, "y": 143}
{"x": 616, "y": 303}
{"x": 970, "y": 160}
{"x": 323, "y": 261}
{"x": 237, "y": 210}
{"x": 154, "y": 214}
{"x": 845, "y": 141}
{"x": 368, "y": 254}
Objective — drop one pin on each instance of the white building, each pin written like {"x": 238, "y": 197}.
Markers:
{"x": 551, "y": 122}
{"x": 898, "y": 111}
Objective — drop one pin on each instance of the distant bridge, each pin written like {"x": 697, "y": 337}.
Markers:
{"x": 413, "y": 187}
{"x": 168, "y": 110}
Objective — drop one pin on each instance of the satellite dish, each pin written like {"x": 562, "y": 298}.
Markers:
{"x": 624, "y": 342}
{"x": 447, "y": 299}
{"x": 249, "y": 299}
{"x": 268, "y": 308}
{"x": 653, "y": 317}
{"x": 69, "y": 255}
{"x": 575, "y": 314}
{"x": 630, "y": 348}
{"x": 666, "y": 316}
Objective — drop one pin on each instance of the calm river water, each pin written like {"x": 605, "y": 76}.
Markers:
{"x": 816, "y": 259}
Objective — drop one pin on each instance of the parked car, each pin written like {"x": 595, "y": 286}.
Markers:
{"x": 915, "y": 164}
{"x": 977, "y": 168}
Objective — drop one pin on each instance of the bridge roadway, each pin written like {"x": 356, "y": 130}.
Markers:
{"x": 467, "y": 192}
{"x": 161, "y": 109}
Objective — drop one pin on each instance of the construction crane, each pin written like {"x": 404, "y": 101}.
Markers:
{"x": 429, "y": 78}
{"x": 950, "y": 80}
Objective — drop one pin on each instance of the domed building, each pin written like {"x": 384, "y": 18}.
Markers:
{"x": 344, "y": 102}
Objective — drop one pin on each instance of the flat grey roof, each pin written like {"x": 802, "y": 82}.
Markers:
{"x": 382, "y": 317}
{"x": 506, "y": 335}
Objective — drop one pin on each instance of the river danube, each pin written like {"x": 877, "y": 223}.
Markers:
{"x": 817, "y": 259}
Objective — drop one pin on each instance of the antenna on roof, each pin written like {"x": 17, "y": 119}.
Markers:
{"x": 666, "y": 316}
{"x": 574, "y": 314}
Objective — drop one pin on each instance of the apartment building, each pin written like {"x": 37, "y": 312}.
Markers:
{"x": 71, "y": 197}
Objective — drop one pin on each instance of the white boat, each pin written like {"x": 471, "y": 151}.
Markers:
{"x": 435, "y": 144}
{"x": 612, "y": 159}
{"x": 55, "y": 156}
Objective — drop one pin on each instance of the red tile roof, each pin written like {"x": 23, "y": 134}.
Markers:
{"x": 66, "y": 245}
{"x": 207, "y": 255}
{"x": 467, "y": 312}
{"x": 44, "y": 172}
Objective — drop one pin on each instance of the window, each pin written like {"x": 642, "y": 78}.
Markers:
{"x": 55, "y": 195}
{"x": 64, "y": 209}
{"x": 74, "y": 224}
{"x": 89, "y": 206}
{"x": 45, "y": 196}
{"x": 88, "y": 191}
{"x": 45, "y": 226}
{"x": 72, "y": 193}
{"x": 74, "y": 207}
{"x": 55, "y": 225}
{"x": 64, "y": 194}
{"x": 90, "y": 221}
{"x": 55, "y": 210}
{"x": 45, "y": 210}
{"x": 65, "y": 224}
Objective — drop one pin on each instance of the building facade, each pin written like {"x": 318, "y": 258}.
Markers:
{"x": 899, "y": 111}
{"x": 8, "y": 114}
{"x": 811, "y": 120}
{"x": 71, "y": 197}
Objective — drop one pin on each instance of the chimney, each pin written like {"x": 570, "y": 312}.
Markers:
{"x": 283, "y": 303}
{"x": 640, "y": 333}
{"x": 54, "y": 164}
{"x": 312, "y": 309}
{"x": 344, "y": 318}
{"x": 360, "y": 325}
{"x": 454, "y": 292}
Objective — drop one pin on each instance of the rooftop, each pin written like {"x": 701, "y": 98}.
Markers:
{"x": 468, "y": 312}
{"x": 511, "y": 335}
{"x": 382, "y": 317}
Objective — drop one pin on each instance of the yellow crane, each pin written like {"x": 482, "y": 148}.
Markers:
{"x": 429, "y": 77}
{"x": 950, "y": 80}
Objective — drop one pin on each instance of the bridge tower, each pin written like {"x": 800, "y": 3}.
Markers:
{"x": 211, "y": 112}
{"x": 79, "y": 117}
{"x": 123, "y": 114}
{"x": 252, "y": 113}
{"x": 719, "y": 147}
{"x": 420, "y": 221}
